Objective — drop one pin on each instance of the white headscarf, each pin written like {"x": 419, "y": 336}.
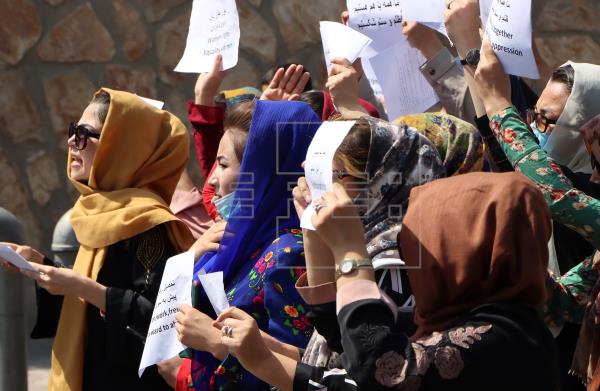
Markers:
{"x": 565, "y": 144}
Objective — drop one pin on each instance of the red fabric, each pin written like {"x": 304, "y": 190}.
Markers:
{"x": 208, "y": 192}
{"x": 208, "y": 130}
{"x": 184, "y": 381}
{"x": 329, "y": 108}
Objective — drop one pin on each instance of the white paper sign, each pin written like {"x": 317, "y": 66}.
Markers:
{"x": 405, "y": 89}
{"x": 215, "y": 290}
{"x": 383, "y": 24}
{"x": 509, "y": 31}
{"x": 214, "y": 29}
{"x": 342, "y": 41}
{"x": 372, "y": 78}
{"x": 9, "y": 255}
{"x": 175, "y": 290}
{"x": 319, "y": 160}
{"x": 153, "y": 102}
{"x": 427, "y": 11}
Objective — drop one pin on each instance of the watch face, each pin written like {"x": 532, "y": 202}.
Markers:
{"x": 473, "y": 57}
{"x": 346, "y": 267}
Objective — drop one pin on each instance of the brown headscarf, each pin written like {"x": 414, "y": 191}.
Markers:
{"x": 141, "y": 154}
{"x": 474, "y": 239}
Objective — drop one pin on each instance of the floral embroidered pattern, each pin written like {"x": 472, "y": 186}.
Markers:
{"x": 295, "y": 319}
{"x": 466, "y": 336}
{"x": 448, "y": 362}
{"x": 421, "y": 358}
{"x": 391, "y": 369}
{"x": 441, "y": 349}
{"x": 432, "y": 340}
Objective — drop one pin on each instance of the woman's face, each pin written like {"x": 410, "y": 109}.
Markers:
{"x": 82, "y": 160}
{"x": 352, "y": 185}
{"x": 227, "y": 173}
{"x": 552, "y": 102}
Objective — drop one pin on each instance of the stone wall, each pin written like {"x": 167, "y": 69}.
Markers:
{"x": 55, "y": 53}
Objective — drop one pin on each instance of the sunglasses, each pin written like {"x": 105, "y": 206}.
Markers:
{"x": 541, "y": 121}
{"x": 82, "y": 133}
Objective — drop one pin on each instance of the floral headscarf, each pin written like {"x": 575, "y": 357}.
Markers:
{"x": 458, "y": 142}
{"x": 399, "y": 159}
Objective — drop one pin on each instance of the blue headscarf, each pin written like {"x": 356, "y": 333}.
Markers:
{"x": 278, "y": 140}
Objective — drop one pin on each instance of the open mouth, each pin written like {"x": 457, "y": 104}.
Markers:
{"x": 76, "y": 160}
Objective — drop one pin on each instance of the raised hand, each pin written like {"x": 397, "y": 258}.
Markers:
{"x": 208, "y": 83}
{"x": 493, "y": 81}
{"x": 287, "y": 84}
{"x": 463, "y": 25}
{"x": 343, "y": 86}
{"x": 422, "y": 38}
{"x": 337, "y": 222}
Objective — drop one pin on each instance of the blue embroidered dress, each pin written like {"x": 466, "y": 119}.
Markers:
{"x": 262, "y": 253}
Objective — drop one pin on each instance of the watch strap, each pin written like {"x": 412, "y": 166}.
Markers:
{"x": 356, "y": 264}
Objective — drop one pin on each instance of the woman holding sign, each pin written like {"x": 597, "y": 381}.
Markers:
{"x": 261, "y": 254}
{"x": 125, "y": 158}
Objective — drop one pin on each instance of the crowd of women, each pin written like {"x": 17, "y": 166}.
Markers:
{"x": 457, "y": 250}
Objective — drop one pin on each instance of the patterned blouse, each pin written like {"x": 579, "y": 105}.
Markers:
{"x": 499, "y": 346}
{"x": 568, "y": 205}
{"x": 266, "y": 290}
{"x": 569, "y": 295}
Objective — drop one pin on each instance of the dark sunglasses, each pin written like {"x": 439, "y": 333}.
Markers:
{"x": 82, "y": 133}
{"x": 541, "y": 121}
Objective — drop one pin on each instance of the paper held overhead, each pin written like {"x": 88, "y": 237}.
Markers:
{"x": 405, "y": 89}
{"x": 342, "y": 41}
{"x": 509, "y": 30}
{"x": 214, "y": 29}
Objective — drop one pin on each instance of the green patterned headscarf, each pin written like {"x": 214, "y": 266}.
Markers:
{"x": 459, "y": 144}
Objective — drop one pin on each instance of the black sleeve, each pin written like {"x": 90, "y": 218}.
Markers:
{"x": 129, "y": 304}
{"x": 379, "y": 355}
{"x": 308, "y": 378}
{"x": 497, "y": 155}
{"x": 324, "y": 318}
{"x": 48, "y": 309}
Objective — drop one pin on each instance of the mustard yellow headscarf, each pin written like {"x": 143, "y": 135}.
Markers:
{"x": 141, "y": 154}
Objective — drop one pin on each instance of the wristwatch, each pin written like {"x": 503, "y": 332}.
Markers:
{"x": 348, "y": 266}
{"x": 472, "y": 58}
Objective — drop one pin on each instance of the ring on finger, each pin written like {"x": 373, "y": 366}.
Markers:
{"x": 227, "y": 331}
{"x": 318, "y": 208}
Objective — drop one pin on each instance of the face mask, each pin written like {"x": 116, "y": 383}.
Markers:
{"x": 224, "y": 206}
{"x": 542, "y": 137}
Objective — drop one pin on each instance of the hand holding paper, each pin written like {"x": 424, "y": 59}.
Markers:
{"x": 510, "y": 33}
{"x": 214, "y": 29}
{"x": 319, "y": 161}
{"x": 13, "y": 258}
{"x": 342, "y": 41}
{"x": 175, "y": 289}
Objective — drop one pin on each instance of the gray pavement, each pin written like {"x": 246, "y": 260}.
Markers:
{"x": 38, "y": 368}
